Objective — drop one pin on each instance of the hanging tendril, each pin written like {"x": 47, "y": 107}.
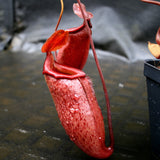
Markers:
{"x": 60, "y": 16}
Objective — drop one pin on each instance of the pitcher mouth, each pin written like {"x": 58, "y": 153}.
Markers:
{"x": 56, "y": 70}
{"x": 76, "y": 29}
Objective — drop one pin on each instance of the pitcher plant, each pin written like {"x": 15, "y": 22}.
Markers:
{"x": 72, "y": 90}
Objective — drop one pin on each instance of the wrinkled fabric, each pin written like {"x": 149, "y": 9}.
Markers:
{"x": 120, "y": 27}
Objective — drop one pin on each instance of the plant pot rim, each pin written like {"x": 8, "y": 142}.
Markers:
{"x": 151, "y": 71}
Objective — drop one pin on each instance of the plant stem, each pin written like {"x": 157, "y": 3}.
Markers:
{"x": 60, "y": 16}
{"x": 102, "y": 79}
{"x": 151, "y": 1}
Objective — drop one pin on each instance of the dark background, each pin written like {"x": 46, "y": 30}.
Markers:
{"x": 120, "y": 27}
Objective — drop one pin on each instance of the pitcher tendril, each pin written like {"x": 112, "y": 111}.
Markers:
{"x": 102, "y": 80}
{"x": 61, "y": 13}
{"x": 151, "y": 1}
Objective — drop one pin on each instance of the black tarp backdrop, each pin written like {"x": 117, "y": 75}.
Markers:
{"x": 6, "y": 22}
{"x": 121, "y": 27}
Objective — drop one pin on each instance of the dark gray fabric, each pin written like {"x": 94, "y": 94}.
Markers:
{"x": 120, "y": 27}
{"x": 6, "y": 22}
